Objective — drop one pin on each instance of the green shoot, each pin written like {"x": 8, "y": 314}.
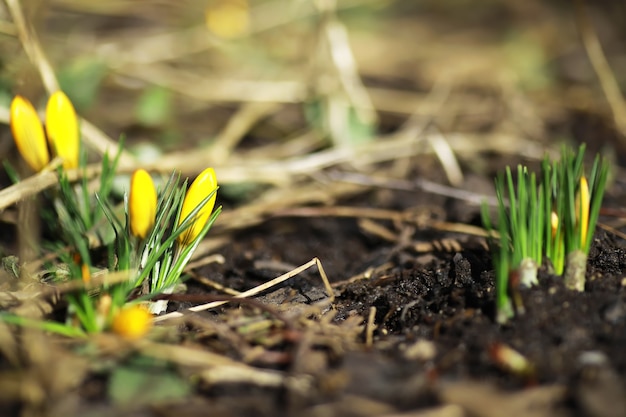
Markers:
{"x": 502, "y": 255}
{"x": 554, "y": 217}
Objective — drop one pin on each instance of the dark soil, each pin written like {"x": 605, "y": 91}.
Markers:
{"x": 435, "y": 341}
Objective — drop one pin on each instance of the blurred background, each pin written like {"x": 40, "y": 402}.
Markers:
{"x": 245, "y": 83}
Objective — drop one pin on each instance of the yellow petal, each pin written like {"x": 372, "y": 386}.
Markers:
{"x": 28, "y": 133}
{"x": 203, "y": 185}
{"x": 62, "y": 129}
{"x": 142, "y": 203}
{"x": 132, "y": 322}
{"x": 584, "y": 200}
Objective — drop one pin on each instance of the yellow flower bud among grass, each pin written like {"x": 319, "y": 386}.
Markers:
{"x": 200, "y": 189}
{"x": 28, "y": 134}
{"x": 583, "y": 202}
{"x": 132, "y": 322}
{"x": 554, "y": 223}
{"x": 142, "y": 203}
{"x": 62, "y": 129}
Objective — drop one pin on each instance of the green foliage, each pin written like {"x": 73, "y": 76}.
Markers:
{"x": 154, "y": 106}
{"x": 164, "y": 258}
{"x": 336, "y": 118}
{"x": 502, "y": 255}
{"x": 85, "y": 219}
{"x": 81, "y": 80}
{"x": 553, "y": 217}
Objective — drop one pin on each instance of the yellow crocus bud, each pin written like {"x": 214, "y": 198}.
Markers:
{"x": 62, "y": 129}
{"x": 132, "y": 322}
{"x": 142, "y": 203}
{"x": 583, "y": 201}
{"x": 554, "y": 223}
{"x": 28, "y": 133}
{"x": 202, "y": 186}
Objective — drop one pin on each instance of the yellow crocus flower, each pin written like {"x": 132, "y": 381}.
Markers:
{"x": 132, "y": 322}
{"x": 583, "y": 208}
{"x": 202, "y": 186}
{"x": 554, "y": 223}
{"x": 142, "y": 203}
{"x": 28, "y": 133}
{"x": 62, "y": 129}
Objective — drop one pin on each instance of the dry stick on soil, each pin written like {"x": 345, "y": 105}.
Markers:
{"x": 238, "y": 125}
{"x": 39, "y": 182}
{"x": 612, "y": 230}
{"x": 598, "y": 60}
{"x": 415, "y": 126}
{"x": 229, "y": 299}
{"x": 381, "y": 214}
{"x": 31, "y": 45}
{"x": 286, "y": 171}
{"x": 444, "y": 152}
{"x": 345, "y": 62}
{"x": 367, "y": 274}
{"x": 260, "y": 288}
{"x": 255, "y": 377}
{"x": 419, "y": 184}
{"x": 436, "y": 245}
{"x": 200, "y": 87}
{"x": 213, "y": 258}
{"x": 428, "y": 108}
{"x": 213, "y": 284}
{"x": 423, "y": 115}
{"x": 371, "y": 326}
{"x": 184, "y": 355}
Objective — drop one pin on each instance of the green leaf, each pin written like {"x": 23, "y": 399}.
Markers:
{"x": 154, "y": 106}
{"x": 133, "y": 385}
{"x": 81, "y": 79}
{"x": 48, "y": 326}
{"x": 336, "y": 118}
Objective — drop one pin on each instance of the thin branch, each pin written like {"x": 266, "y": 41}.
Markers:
{"x": 259, "y": 289}
{"x": 601, "y": 66}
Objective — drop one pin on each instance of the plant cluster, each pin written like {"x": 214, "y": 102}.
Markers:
{"x": 549, "y": 218}
{"x": 148, "y": 240}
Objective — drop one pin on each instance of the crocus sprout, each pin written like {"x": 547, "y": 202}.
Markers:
{"x": 132, "y": 322}
{"x": 142, "y": 203}
{"x": 62, "y": 129}
{"x": 28, "y": 134}
{"x": 553, "y": 217}
{"x": 200, "y": 189}
{"x": 574, "y": 273}
{"x": 583, "y": 201}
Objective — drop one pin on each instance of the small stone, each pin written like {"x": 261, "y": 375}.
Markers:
{"x": 422, "y": 350}
{"x": 614, "y": 312}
